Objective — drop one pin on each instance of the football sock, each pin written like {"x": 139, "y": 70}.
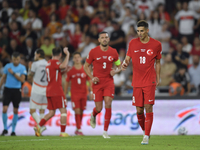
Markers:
{"x": 148, "y": 123}
{"x": 81, "y": 118}
{"x": 42, "y": 122}
{"x": 62, "y": 128}
{"x": 5, "y": 117}
{"x": 78, "y": 121}
{"x": 107, "y": 118}
{"x": 14, "y": 122}
{"x": 41, "y": 116}
{"x": 95, "y": 112}
{"x": 36, "y": 117}
{"x": 141, "y": 120}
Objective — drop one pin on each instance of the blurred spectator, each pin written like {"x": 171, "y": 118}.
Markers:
{"x": 53, "y": 24}
{"x": 119, "y": 80}
{"x": 85, "y": 47}
{"x": 5, "y": 35}
{"x": 15, "y": 18}
{"x": 183, "y": 78}
{"x": 13, "y": 47}
{"x": 186, "y": 19}
{"x": 24, "y": 12}
{"x": 117, "y": 39}
{"x": 6, "y": 8}
{"x": 145, "y": 6}
{"x": 194, "y": 72}
{"x": 58, "y": 36}
{"x": 109, "y": 28}
{"x": 26, "y": 87}
{"x": 76, "y": 38}
{"x": 3, "y": 40}
{"x": 157, "y": 2}
{"x": 69, "y": 26}
{"x": 179, "y": 57}
{"x": 4, "y": 56}
{"x": 15, "y": 32}
{"x": 101, "y": 9}
{"x": 187, "y": 47}
{"x": 94, "y": 34}
{"x": 114, "y": 16}
{"x": 73, "y": 14}
{"x": 128, "y": 84}
{"x": 43, "y": 13}
{"x": 131, "y": 35}
{"x": 46, "y": 35}
{"x": 4, "y": 18}
{"x": 88, "y": 9}
{"x": 53, "y": 9}
{"x": 194, "y": 5}
{"x": 63, "y": 8}
{"x": 164, "y": 36}
{"x": 196, "y": 47}
{"x": 142, "y": 16}
{"x": 167, "y": 71}
{"x": 65, "y": 43}
{"x": 122, "y": 55}
{"x": 47, "y": 46}
{"x": 164, "y": 15}
{"x": 84, "y": 20}
{"x": 100, "y": 20}
{"x": 29, "y": 49}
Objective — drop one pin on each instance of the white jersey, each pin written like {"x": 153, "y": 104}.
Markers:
{"x": 40, "y": 78}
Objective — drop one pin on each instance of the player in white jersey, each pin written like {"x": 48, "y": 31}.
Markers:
{"x": 38, "y": 98}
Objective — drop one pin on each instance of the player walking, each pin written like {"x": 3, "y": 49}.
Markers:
{"x": 55, "y": 95}
{"x": 144, "y": 52}
{"x": 38, "y": 98}
{"x": 78, "y": 79}
{"x": 102, "y": 58}
{"x": 14, "y": 76}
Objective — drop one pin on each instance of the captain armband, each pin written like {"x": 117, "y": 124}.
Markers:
{"x": 117, "y": 63}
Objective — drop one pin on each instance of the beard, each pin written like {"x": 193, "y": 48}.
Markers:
{"x": 104, "y": 45}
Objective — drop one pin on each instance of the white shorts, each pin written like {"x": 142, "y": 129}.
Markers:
{"x": 38, "y": 101}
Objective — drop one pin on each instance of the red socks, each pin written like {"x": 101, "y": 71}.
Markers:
{"x": 62, "y": 127}
{"x": 95, "y": 112}
{"x": 141, "y": 120}
{"x": 78, "y": 120}
{"x": 148, "y": 123}
{"x": 42, "y": 122}
{"x": 107, "y": 118}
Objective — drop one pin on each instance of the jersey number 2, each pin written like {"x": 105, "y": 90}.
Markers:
{"x": 42, "y": 79}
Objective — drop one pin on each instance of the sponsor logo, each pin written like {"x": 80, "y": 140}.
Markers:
{"x": 110, "y": 58}
{"x": 98, "y": 58}
{"x": 136, "y": 51}
{"x": 150, "y": 100}
{"x": 105, "y": 57}
{"x": 143, "y": 50}
{"x": 149, "y": 52}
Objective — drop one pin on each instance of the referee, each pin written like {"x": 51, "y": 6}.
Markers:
{"x": 13, "y": 75}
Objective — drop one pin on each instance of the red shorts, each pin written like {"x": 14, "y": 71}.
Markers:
{"x": 143, "y": 95}
{"x": 105, "y": 87}
{"x": 56, "y": 102}
{"x": 79, "y": 101}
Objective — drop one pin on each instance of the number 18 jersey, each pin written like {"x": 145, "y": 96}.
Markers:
{"x": 143, "y": 59}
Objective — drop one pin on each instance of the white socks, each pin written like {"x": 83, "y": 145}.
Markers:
{"x": 36, "y": 117}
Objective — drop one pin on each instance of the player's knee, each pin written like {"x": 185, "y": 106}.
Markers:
{"x": 15, "y": 111}
{"x": 98, "y": 109}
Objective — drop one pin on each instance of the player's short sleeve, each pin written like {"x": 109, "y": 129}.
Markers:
{"x": 5, "y": 69}
{"x": 23, "y": 70}
{"x": 159, "y": 52}
{"x": 68, "y": 76}
{"x": 90, "y": 57}
{"x": 116, "y": 56}
{"x": 33, "y": 67}
{"x": 129, "y": 50}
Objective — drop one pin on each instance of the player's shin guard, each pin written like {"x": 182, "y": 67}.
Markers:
{"x": 14, "y": 122}
{"x": 141, "y": 120}
{"x": 148, "y": 123}
{"x": 63, "y": 122}
{"x": 95, "y": 112}
{"x": 78, "y": 121}
{"x": 107, "y": 118}
{"x": 42, "y": 122}
{"x": 5, "y": 117}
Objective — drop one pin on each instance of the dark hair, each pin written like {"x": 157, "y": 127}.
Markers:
{"x": 15, "y": 54}
{"x": 103, "y": 32}
{"x": 142, "y": 23}
{"x": 153, "y": 20}
{"x": 41, "y": 52}
{"x": 56, "y": 51}
{"x": 75, "y": 53}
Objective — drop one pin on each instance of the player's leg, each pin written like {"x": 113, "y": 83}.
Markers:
{"x": 41, "y": 113}
{"x": 35, "y": 115}
{"x": 78, "y": 114}
{"x": 63, "y": 121}
{"x": 141, "y": 117}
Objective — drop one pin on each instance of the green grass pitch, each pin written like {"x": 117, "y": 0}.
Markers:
{"x": 99, "y": 143}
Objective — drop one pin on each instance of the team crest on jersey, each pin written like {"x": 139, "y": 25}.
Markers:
{"x": 149, "y": 52}
{"x": 83, "y": 75}
{"x": 110, "y": 58}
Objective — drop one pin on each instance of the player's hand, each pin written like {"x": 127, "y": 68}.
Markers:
{"x": 124, "y": 65}
{"x": 112, "y": 72}
{"x": 10, "y": 70}
{"x": 91, "y": 96}
{"x": 157, "y": 83}
{"x": 95, "y": 80}
{"x": 65, "y": 50}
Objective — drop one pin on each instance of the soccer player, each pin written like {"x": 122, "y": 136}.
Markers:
{"x": 78, "y": 79}
{"x": 54, "y": 92}
{"x": 38, "y": 98}
{"x": 14, "y": 76}
{"x": 144, "y": 52}
{"x": 102, "y": 57}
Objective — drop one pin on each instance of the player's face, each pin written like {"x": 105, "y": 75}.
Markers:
{"x": 16, "y": 60}
{"x": 104, "y": 39}
{"x": 142, "y": 32}
{"x": 77, "y": 59}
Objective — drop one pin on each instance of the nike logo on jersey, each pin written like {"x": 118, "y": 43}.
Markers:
{"x": 136, "y": 51}
{"x": 98, "y": 58}
{"x": 150, "y": 100}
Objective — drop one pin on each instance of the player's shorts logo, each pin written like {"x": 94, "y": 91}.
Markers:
{"x": 149, "y": 52}
{"x": 110, "y": 58}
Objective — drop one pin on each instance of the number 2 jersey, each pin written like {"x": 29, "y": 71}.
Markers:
{"x": 54, "y": 78}
{"x": 102, "y": 61}
{"x": 40, "y": 78}
{"x": 143, "y": 58}
{"x": 78, "y": 80}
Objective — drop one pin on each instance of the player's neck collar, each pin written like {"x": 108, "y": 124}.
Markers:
{"x": 145, "y": 42}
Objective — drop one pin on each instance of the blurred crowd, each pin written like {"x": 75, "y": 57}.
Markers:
{"x": 26, "y": 25}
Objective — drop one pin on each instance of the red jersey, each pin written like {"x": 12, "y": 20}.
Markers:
{"x": 143, "y": 58}
{"x": 54, "y": 78}
{"x": 102, "y": 61}
{"x": 78, "y": 79}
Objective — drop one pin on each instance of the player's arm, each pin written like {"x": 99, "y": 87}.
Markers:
{"x": 126, "y": 62}
{"x": 158, "y": 66}
{"x": 63, "y": 65}
{"x": 91, "y": 91}
{"x": 118, "y": 68}
{"x": 3, "y": 79}
{"x": 88, "y": 72}
{"x": 66, "y": 88}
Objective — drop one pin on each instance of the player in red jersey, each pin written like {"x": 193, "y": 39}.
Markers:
{"x": 54, "y": 92}
{"x": 102, "y": 57}
{"x": 144, "y": 52}
{"x": 78, "y": 79}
